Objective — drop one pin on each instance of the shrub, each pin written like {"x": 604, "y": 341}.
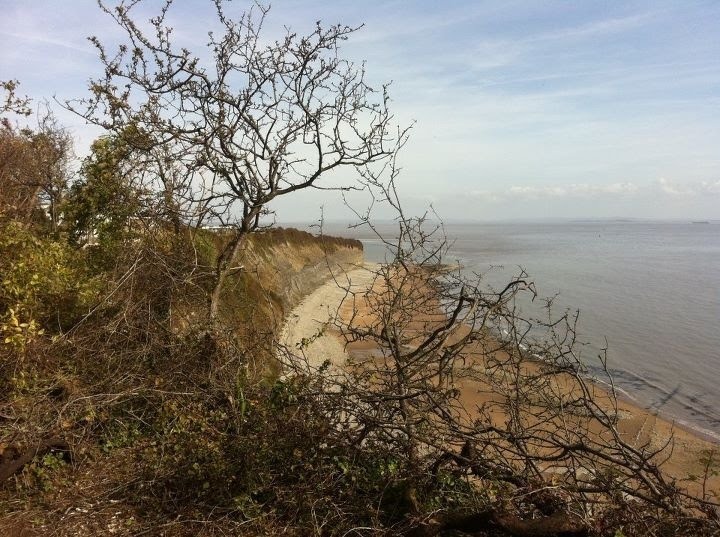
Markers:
{"x": 44, "y": 287}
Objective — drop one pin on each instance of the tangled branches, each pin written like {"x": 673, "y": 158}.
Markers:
{"x": 448, "y": 378}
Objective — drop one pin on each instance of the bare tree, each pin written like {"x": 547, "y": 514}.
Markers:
{"x": 34, "y": 163}
{"x": 35, "y": 166}
{"x": 53, "y": 147}
{"x": 248, "y": 122}
{"x": 459, "y": 381}
{"x": 11, "y": 101}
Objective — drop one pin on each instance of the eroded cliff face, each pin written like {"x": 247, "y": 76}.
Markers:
{"x": 279, "y": 268}
{"x": 307, "y": 269}
{"x": 300, "y": 263}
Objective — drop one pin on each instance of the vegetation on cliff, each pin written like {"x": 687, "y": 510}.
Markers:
{"x": 142, "y": 389}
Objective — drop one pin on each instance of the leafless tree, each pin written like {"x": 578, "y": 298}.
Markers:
{"x": 35, "y": 167}
{"x": 459, "y": 380}
{"x": 54, "y": 155}
{"x": 11, "y": 101}
{"x": 248, "y": 122}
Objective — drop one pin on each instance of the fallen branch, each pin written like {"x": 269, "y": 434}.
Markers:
{"x": 10, "y": 466}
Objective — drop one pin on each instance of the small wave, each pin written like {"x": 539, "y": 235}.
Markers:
{"x": 690, "y": 403}
{"x": 708, "y": 433}
{"x": 618, "y": 389}
{"x": 628, "y": 383}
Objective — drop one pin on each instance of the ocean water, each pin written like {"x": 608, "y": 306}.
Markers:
{"x": 651, "y": 289}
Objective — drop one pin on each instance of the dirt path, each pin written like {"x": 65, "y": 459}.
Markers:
{"x": 308, "y": 332}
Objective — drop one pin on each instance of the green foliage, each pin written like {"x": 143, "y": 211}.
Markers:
{"x": 44, "y": 286}
{"x": 121, "y": 434}
{"x": 18, "y": 334}
{"x": 101, "y": 204}
{"x": 176, "y": 422}
{"x": 42, "y": 470}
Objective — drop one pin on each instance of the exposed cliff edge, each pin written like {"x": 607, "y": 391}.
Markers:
{"x": 280, "y": 267}
{"x": 318, "y": 309}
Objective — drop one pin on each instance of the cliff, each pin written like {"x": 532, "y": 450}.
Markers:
{"x": 280, "y": 267}
{"x": 292, "y": 263}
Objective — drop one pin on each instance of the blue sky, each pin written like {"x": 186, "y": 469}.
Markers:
{"x": 523, "y": 109}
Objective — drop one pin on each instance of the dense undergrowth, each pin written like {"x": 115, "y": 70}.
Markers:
{"x": 158, "y": 417}
{"x": 138, "y": 420}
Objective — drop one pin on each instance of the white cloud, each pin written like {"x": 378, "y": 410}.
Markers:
{"x": 710, "y": 187}
{"x": 487, "y": 196}
{"x": 576, "y": 190}
{"x": 612, "y": 190}
{"x": 671, "y": 188}
{"x": 600, "y": 27}
{"x": 81, "y": 46}
{"x": 688, "y": 188}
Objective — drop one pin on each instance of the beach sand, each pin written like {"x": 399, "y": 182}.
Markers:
{"x": 308, "y": 333}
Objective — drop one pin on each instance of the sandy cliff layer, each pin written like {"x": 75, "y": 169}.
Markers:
{"x": 279, "y": 268}
{"x": 306, "y": 332}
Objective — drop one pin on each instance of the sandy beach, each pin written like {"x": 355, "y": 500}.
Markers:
{"x": 309, "y": 334}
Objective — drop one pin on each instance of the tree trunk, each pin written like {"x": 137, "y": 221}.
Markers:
{"x": 222, "y": 269}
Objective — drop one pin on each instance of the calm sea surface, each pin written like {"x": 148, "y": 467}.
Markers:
{"x": 651, "y": 289}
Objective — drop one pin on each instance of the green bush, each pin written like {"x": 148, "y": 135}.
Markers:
{"x": 44, "y": 286}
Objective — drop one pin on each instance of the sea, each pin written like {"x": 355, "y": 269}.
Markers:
{"x": 648, "y": 291}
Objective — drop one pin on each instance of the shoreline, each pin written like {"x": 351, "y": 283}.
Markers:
{"x": 631, "y": 285}
{"x": 706, "y": 435}
{"x": 622, "y": 395}
{"x": 640, "y": 424}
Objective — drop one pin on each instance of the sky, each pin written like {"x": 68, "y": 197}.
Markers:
{"x": 522, "y": 109}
